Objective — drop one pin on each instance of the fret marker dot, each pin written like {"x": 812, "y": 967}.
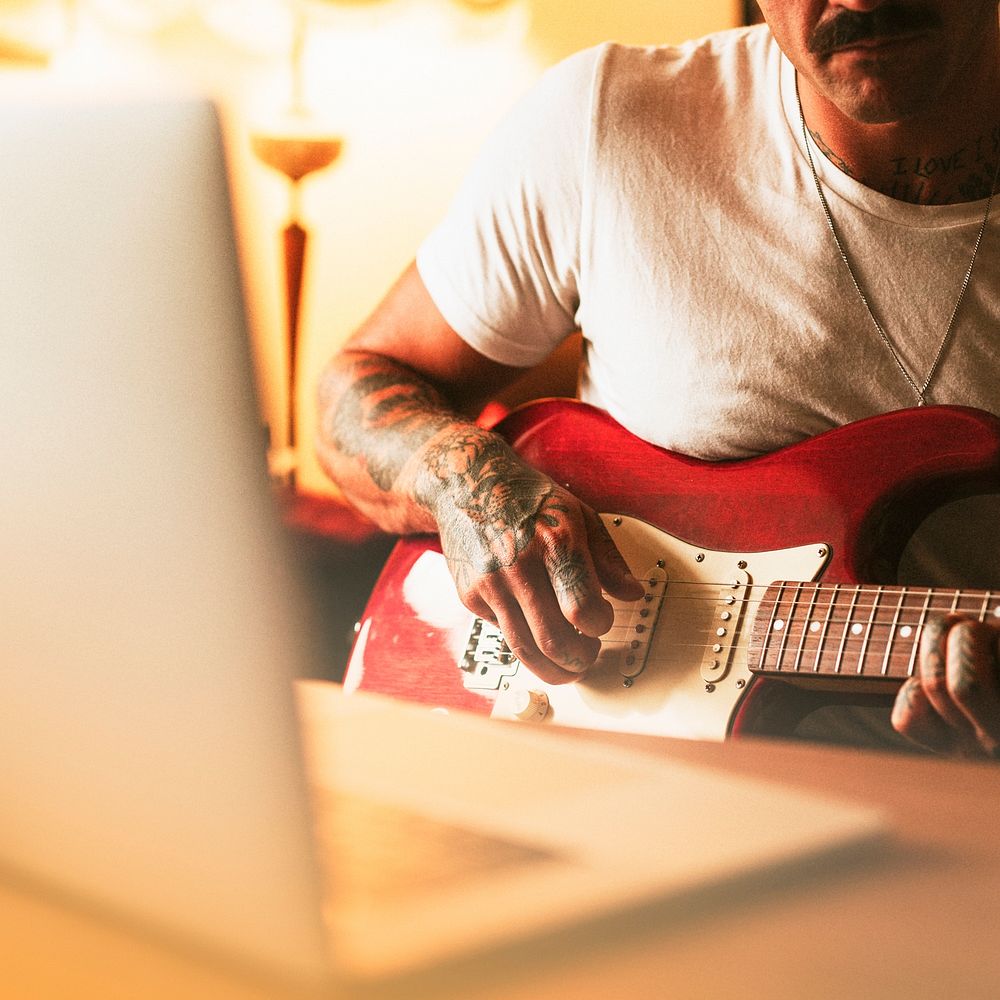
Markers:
{"x": 779, "y": 625}
{"x": 814, "y": 627}
{"x": 996, "y": 611}
{"x": 857, "y": 628}
{"x": 906, "y": 631}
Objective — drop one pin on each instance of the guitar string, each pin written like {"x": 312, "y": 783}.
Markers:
{"x": 873, "y": 670}
{"x": 912, "y": 617}
{"x": 985, "y": 601}
{"x": 798, "y": 646}
{"x": 907, "y": 618}
{"x": 847, "y": 588}
{"x": 820, "y": 634}
{"x": 629, "y": 630}
{"x": 789, "y": 604}
{"x": 802, "y": 639}
{"x": 821, "y": 639}
{"x": 802, "y": 642}
{"x": 799, "y": 630}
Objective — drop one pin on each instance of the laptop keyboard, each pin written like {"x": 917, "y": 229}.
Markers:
{"x": 379, "y": 854}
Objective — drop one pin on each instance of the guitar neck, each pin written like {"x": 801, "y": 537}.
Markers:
{"x": 848, "y": 630}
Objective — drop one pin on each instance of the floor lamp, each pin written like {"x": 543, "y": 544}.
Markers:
{"x": 295, "y": 150}
{"x": 296, "y": 157}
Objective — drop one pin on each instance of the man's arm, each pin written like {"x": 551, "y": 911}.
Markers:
{"x": 396, "y": 435}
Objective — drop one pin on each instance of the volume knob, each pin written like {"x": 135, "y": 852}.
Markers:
{"x": 530, "y": 706}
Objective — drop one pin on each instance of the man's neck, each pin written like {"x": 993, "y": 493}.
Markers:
{"x": 938, "y": 159}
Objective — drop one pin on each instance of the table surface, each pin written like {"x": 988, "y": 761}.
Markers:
{"x": 917, "y": 917}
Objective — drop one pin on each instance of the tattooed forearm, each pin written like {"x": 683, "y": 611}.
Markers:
{"x": 485, "y": 501}
{"x": 379, "y": 411}
{"x": 416, "y": 465}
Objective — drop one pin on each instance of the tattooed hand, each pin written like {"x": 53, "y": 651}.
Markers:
{"x": 524, "y": 552}
{"x": 952, "y": 704}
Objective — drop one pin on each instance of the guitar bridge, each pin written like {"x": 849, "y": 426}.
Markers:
{"x": 487, "y": 659}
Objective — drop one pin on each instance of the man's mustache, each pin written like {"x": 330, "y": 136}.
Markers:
{"x": 852, "y": 26}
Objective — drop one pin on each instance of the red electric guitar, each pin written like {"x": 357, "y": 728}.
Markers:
{"x": 762, "y": 571}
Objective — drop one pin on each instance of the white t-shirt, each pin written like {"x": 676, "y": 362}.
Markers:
{"x": 660, "y": 200}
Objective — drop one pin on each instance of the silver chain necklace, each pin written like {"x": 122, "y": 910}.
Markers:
{"x": 918, "y": 390}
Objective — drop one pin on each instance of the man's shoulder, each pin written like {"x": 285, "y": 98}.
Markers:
{"x": 733, "y": 53}
{"x": 617, "y": 79}
{"x": 682, "y": 88}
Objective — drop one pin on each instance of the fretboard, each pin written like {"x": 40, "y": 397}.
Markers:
{"x": 830, "y": 629}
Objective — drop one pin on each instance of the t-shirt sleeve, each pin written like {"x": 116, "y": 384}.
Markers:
{"x": 503, "y": 265}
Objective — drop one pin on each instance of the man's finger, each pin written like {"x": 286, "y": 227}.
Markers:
{"x": 521, "y": 640}
{"x": 609, "y": 564}
{"x": 971, "y": 672}
{"x": 576, "y": 588}
{"x": 558, "y": 638}
{"x": 933, "y": 674}
{"x": 914, "y": 717}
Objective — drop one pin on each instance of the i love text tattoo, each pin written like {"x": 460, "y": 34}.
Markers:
{"x": 958, "y": 175}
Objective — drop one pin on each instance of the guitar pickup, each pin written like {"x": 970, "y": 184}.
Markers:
{"x": 638, "y": 619}
{"x": 726, "y": 620}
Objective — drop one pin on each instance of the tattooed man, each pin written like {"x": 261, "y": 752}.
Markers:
{"x": 709, "y": 216}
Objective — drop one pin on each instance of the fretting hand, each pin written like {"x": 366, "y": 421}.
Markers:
{"x": 952, "y": 704}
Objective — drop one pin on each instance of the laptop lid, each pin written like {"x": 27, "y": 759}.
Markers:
{"x": 150, "y": 618}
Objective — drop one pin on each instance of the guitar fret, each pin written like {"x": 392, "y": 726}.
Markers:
{"x": 984, "y": 610}
{"x": 892, "y": 632}
{"x": 770, "y": 629}
{"x": 918, "y": 632}
{"x": 788, "y": 625}
{"x": 825, "y": 630}
{"x": 868, "y": 632}
{"x": 846, "y": 631}
{"x": 805, "y": 628}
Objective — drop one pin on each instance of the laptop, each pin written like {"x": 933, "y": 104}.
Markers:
{"x": 153, "y": 619}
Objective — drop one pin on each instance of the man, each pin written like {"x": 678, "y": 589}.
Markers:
{"x": 739, "y": 286}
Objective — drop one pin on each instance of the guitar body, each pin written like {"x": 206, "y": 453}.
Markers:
{"x": 707, "y": 537}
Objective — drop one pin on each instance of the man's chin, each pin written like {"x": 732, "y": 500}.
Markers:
{"x": 879, "y": 84}
{"x": 875, "y": 99}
